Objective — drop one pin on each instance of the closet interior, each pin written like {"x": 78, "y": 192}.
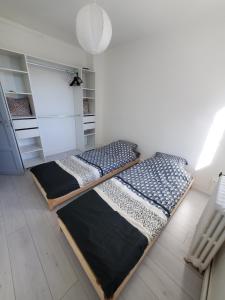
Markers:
{"x": 47, "y": 114}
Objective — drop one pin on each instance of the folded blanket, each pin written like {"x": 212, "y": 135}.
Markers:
{"x": 54, "y": 180}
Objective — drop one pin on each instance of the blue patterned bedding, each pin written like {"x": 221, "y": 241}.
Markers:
{"x": 110, "y": 157}
{"x": 161, "y": 180}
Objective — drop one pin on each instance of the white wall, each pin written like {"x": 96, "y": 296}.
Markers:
{"x": 163, "y": 93}
{"x": 22, "y": 39}
{"x": 216, "y": 287}
{"x": 99, "y": 66}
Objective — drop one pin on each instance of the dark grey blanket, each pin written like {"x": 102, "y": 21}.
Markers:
{"x": 54, "y": 180}
{"x": 109, "y": 243}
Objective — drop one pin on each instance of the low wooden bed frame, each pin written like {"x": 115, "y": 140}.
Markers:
{"x": 57, "y": 201}
{"x": 87, "y": 268}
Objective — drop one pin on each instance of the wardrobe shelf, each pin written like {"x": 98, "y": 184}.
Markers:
{"x": 18, "y": 93}
{"x": 87, "y": 89}
{"x": 23, "y": 117}
{"x": 13, "y": 70}
{"x": 89, "y": 134}
{"x": 28, "y": 163}
{"x": 30, "y": 148}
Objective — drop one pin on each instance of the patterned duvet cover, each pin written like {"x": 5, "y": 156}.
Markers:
{"x": 93, "y": 164}
{"x": 115, "y": 222}
{"x": 147, "y": 193}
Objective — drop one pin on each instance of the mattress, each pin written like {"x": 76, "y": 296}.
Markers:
{"x": 113, "y": 224}
{"x": 61, "y": 177}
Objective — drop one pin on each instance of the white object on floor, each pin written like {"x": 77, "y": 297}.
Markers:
{"x": 210, "y": 232}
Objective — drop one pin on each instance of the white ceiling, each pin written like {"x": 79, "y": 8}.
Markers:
{"x": 131, "y": 19}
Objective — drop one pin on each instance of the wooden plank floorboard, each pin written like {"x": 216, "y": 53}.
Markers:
{"x": 189, "y": 212}
{"x": 137, "y": 289}
{"x": 11, "y": 208}
{"x": 6, "y": 283}
{"x": 13, "y": 215}
{"x": 171, "y": 244}
{"x": 82, "y": 277}
{"x": 56, "y": 265}
{"x": 28, "y": 277}
{"x": 160, "y": 283}
{"x": 184, "y": 275}
{"x": 76, "y": 292}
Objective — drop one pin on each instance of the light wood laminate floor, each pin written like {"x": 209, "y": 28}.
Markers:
{"x": 36, "y": 262}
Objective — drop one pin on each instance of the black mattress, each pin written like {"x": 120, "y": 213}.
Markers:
{"x": 54, "y": 180}
{"x": 109, "y": 243}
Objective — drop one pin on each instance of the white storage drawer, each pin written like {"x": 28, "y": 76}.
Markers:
{"x": 27, "y": 133}
{"x": 87, "y": 119}
{"x": 25, "y": 123}
{"x": 89, "y": 126}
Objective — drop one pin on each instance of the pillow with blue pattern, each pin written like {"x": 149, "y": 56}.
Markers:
{"x": 172, "y": 158}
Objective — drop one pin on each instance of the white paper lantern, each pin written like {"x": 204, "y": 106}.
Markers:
{"x": 94, "y": 29}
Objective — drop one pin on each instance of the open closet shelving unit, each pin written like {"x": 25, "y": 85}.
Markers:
{"x": 17, "y": 84}
{"x": 15, "y": 81}
{"x": 88, "y": 89}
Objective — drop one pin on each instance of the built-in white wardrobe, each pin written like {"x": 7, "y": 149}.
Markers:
{"x": 61, "y": 117}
